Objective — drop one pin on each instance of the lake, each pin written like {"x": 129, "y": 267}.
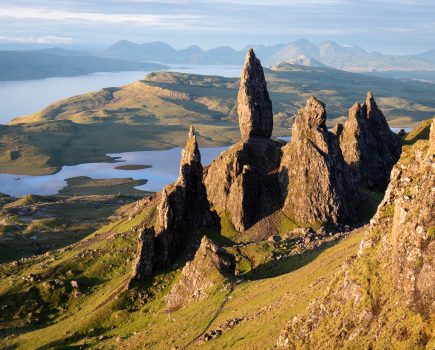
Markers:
{"x": 19, "y": 98}
{"x": 164, "y": 170}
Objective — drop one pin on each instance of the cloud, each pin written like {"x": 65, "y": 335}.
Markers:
{"x": 46, "y": 39}
{"x": 23, "y": 13}
{"x": 53, "y": 39}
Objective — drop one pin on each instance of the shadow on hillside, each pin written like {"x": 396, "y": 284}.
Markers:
{"x": 69, "y": 342}
{"x": 276, "y": 268}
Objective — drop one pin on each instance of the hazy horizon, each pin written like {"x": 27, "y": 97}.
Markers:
{"x": 391, "y": 27}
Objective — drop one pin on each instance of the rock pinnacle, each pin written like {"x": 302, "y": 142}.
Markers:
{"x": 254, "y": 104}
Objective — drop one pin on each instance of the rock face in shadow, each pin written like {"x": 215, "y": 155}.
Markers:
{"x": 211, "y": 266}
{"x": 180, "y": 208}
{"x": 315, "y": 181}
{"x": 385, "y": 296}
{"x": 143, "y": 266}
{"x": 254, "y": 106}
{"x": 242, "y": 182}
{"x": 368, "y": 145}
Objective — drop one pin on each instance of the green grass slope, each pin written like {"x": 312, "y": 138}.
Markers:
{"x": 43, "y": 313}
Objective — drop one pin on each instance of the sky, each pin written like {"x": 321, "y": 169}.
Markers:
{"x": 388, "y": 26}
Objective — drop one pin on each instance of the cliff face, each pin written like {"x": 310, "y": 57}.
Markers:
{"x": 314, "y": 179}
{"x": 384, "y": 297}
{"x": 368, "y": 145}
{"x": 180, "y": 208}
{"x": 211, "y": 266}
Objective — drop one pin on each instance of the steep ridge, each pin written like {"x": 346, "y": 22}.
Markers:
{"x": 368, "y": 144}
{"x": 315, "y": 181}
{"x": 384, "y": 297}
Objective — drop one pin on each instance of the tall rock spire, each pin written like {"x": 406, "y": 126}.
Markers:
{"x": 253, "y": 102}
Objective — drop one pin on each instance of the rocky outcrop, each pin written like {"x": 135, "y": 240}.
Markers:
{"x": 384, "y": 297}
{"x": 368, "y": 145}
{"x": 253, "y": 103}
{"x": 180, "y": 208}
{"x": 242, "y": 182}
{"x": 315, "y": 181}
{"x": 211, "y": 266}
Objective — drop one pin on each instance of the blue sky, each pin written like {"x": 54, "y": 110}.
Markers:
{"x": 389, "y": 26}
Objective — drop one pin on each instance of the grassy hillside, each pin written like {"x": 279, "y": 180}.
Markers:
{"x": 52, "y": 313}
{"x": 155, "y": 113}
{"x": 36, "y": 224}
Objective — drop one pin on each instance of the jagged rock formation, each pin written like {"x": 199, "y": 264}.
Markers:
{"x": 368, "y": 145}
{"x": 383, "y": 298}
{"x": 180, "y": 208}
{"x": 314, "y": 179}
{"x": 183, "y": 205}
{"x": 253, "y": 103}
{"x": 211, "y": 266}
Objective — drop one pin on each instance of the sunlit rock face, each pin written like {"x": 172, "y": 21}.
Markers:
{"x": 315, "y": 181}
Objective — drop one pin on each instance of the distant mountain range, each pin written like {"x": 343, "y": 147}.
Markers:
{"x": 55, "y": 62}
{"x": 126, "y": 56}
{"x": 345, "y": 57}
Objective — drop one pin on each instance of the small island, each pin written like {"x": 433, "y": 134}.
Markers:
{"x": 132, "y": 167}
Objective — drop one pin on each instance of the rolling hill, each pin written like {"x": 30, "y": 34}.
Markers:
{"x": 154, "y": 113}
